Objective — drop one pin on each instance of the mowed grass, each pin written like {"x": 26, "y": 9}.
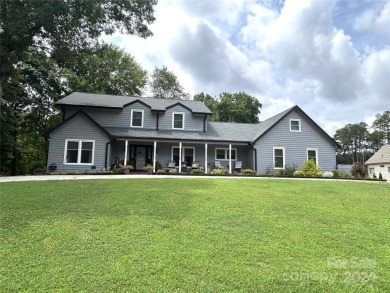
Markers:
{"x": 195, "y": 235}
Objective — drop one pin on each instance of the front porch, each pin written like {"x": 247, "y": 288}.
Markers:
{"x": 180, "y": 154}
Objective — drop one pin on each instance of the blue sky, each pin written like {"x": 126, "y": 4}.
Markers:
{"x": 332, "y": 58}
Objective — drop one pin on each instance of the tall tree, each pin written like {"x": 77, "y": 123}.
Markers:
{"x": 352, "y": 138}
{"x": 106, "y": 69}
{"x": 232, "y": 107}
{"x": 60, "y": 27}
{"x": 382, "y": 123}
{"x": 164, "y": 84}
{"x": 52, "y": 32}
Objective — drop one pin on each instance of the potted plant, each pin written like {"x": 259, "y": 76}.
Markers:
{"x": 149, "y": 169}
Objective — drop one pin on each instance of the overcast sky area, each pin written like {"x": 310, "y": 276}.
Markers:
{"x": 331, "y": 58}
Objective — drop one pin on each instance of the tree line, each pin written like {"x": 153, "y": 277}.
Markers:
{"x": 360, "y": 141}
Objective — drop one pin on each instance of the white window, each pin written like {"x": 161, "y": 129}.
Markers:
{"x": 187, "y": 155}
{"x": 177, "y": 120}
{"x": 312, "y": 154}
{"x": 79, "y": 151}
{"x": 388, "y": 170}
{"x": 279, "y": 158}
{"x": 137, "y": 118}
{"x": 372, "y": 171}
{"x": 295, "y": 125}
{"x": 223, "y": 154}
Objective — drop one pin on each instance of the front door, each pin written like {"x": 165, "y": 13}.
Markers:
{"x": 140, "y": 158}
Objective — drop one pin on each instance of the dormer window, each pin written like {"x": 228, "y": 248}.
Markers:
{"x": 177, "y": 120}
{"x": 295, "y": 125}
{"x": 137, "y": 118}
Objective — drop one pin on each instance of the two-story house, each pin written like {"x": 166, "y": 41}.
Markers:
{"x": 97, "y": 131}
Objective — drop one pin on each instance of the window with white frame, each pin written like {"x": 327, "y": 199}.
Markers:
{"x": 223, "y": 154}
{"x": 295, "y": 125}
{"x": 388, "y": 170}
{"x": 312, "y": 154}
{"x": 279, "y": 158}
{"x": 187, "y": 155}
{"x": 177, "y": 120}
{"x": 137, "y": 118}
{"x": 79, "y": 151}
{"x": 371, "y": 171}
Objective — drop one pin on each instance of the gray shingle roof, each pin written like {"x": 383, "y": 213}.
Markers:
{"x": 111, "y": 101}
{"x": 216, "y": 131}
{"x": 381, "y": 156}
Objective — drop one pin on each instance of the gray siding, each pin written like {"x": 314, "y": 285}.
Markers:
{"x": 79, "y": 127}
{"x": 191, "y": 122}
{"x": 116, "y": 117}
{"x": 295, "y": 144}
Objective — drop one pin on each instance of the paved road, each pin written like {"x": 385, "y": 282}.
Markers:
{"x": 83, "y": 177}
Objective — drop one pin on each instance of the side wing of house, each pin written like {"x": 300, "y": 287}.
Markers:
{"x": 292, "y": 141}
{"x": 78, "y": 144}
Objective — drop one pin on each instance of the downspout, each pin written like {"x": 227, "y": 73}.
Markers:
{"x": 204, "y": 123}
{"x": 158, "y": 116}
{"x": 253, "y": 148}
{"x": 105, "y": 161}
{"x": 62, "y": 114}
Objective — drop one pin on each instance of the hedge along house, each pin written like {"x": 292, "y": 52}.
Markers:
{"x": 99, "y": 131}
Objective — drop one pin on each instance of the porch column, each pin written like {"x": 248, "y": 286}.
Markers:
{"x": 205, "y": 157}
{"x": 126, "y": 147}
{"x": 230, "y": 158}
{"x": 154, "y": 155}
{"x": 180, "y": 157}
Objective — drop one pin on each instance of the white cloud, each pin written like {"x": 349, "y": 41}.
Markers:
{"x": 375, "y": 20}
{"x": 288, "y": 56}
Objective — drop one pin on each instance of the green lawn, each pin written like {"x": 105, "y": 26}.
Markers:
{"x": 195, "y": 235}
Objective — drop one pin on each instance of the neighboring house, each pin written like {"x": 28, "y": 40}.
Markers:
{"x": 380, "y": 163}
{"x": 98, "y": 131}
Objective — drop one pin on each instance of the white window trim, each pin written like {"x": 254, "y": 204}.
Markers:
{"x": 131, "y": 118}
{"x": 299, "y": 123}
{"x": 284, "y": 157}
{"x": 226, "y": 154}
{"x": 182, "y": 151}
{"x": 173, "y": 119}
{"x": 307, "y": 154}
{"x": 80, "y": 141}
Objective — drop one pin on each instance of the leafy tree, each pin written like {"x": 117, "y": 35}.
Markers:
{"x": 106, "y": 69}
{"x": 382, "y": 123}
{"x": 61, "y": 27}
{"x": 352, "y": 139}
{"x": 164, "y": 84}
{"x": 232, "y": 107}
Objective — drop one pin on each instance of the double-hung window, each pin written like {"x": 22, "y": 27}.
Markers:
{"x": 177, "y": 120}
{"x": 223, "y": 154}
{"x": 312, "y": 154}
{"x": 295, "y": 125}
{"x": 188, "y": 155}
{"x": 279, "y": 159}
{"x": 137, "y": 118}
{"x": 79, "y": 151}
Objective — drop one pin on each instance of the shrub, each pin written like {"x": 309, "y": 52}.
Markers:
{"x": 343, "y": 174}
{"x": 248, "y": 172}
{"x": 310, "y": 169}
{"x": 167, "y": 170}
{"x": 380, "y": 176}
{"x": 220, "y": 172}
{"x": 172, "y": 171}
{"x": 359, "y": 170}
{"x": 197, "y": 171}
{"x": 38, "y": 171}
{"x": 298, "y": 173}
{"x": 328, "y": 174}
{"x": 336, "y": 173}
{"x": 161, "y": 172}
{"x": 289, "y": 170}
